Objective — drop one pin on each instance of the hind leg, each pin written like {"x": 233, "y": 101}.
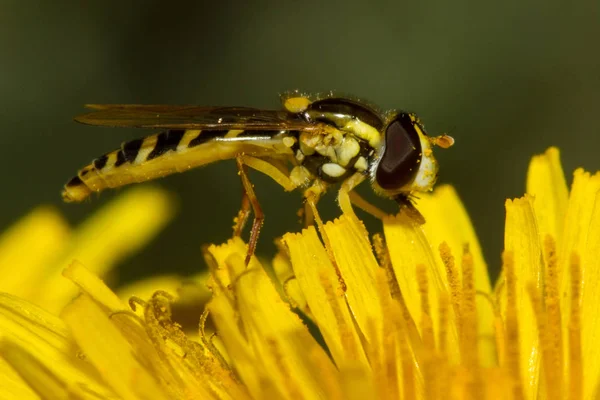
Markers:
{"x": 250, "y": 201}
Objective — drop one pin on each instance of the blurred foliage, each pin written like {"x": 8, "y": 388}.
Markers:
{"x": 506, "y": 79}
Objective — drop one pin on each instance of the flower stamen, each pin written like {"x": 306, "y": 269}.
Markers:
{"x": 575, "y": 357}
{"x": 453, "y": 277}
{"x": 512, "y": 351}
{"x": 468, "y": 313}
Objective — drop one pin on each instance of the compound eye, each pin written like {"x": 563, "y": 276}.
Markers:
{"x": 401, "y": 155}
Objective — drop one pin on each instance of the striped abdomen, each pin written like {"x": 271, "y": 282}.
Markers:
{"x": 166, "y": 153}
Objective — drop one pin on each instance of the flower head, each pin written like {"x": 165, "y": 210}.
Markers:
{"x": 409, "y": 313}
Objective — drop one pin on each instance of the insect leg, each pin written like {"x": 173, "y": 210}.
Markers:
{"x": 259, "y": 216}
{"x": 249, "y": 199}
{"x": 347, "y": 186}
{"x": 312, "y": 196}
{"x": 367, "y": 207}
{"x": 242, "y": 217}
{"x": 271, "y": 171}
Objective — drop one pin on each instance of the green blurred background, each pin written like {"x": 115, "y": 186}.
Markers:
{"x": 506, "y": 79}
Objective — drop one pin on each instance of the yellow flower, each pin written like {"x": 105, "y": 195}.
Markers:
{"x": 35, "y": 251}
{"x": 407, "y": 314}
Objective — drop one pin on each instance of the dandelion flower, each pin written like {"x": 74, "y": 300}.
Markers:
{"x": 338, "y": 314}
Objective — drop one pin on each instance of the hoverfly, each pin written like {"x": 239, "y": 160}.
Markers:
{"x": 311, "y": 143}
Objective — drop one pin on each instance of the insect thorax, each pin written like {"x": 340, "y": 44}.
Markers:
{"x": 347, "y": 144}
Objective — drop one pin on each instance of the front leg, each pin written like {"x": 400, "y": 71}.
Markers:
{"x": 344, "y": 193}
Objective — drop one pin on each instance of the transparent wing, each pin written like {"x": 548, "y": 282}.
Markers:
{"x": 190, "y": 117}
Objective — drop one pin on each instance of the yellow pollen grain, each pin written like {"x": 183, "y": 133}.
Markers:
{"x": 453, "y": 277}
{"x": 512, "y": 326}
{"x": 575, "y": 356}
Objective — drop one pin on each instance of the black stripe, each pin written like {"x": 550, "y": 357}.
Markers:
{"x": 100, "y": 162}
{"x": 131, "y": 149}
{"x": 166, "y": 141}
{"x": 205, "y": 136}
{"x": 75, "y": 181}
{"x": 120, "y": 158}
{"x": 84, "y": 172}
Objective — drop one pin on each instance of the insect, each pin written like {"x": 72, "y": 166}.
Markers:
{"x": 311, "y": 143}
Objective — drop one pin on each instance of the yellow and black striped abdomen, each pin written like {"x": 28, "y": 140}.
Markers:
{"x": 166, "y": 153}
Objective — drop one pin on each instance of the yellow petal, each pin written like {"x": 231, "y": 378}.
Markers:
{"x": 37, "y": 341}
{"x": 114, "y": 232}
{"x": 318, "y": 281}
{"x": 357, "y": 265}
{"x": 282, "y": 347}
{"x": 92, "y": 286}
{"x": 522, "y": 240}
{"x": 105, "y": 347}
{"x": 546, "y": 183}
{"x": 13, "y": 386}
{"x": 408, "y": 247}
{"x": 447, "y": 221}
{"x": 43, "y": 378}
{"x": 152, "y": 343}
{"x": 241, "y": 355}
{"x": 285, "y": 275}
{"x": 28, "y": 248}
{"x": 582, "y": 238}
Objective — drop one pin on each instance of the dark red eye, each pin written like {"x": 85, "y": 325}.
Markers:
{"x": 401, "y": 155}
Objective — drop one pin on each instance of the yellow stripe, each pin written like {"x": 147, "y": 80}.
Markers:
{"x": 188, "y": 136}
{"x": 147, "y": 147}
